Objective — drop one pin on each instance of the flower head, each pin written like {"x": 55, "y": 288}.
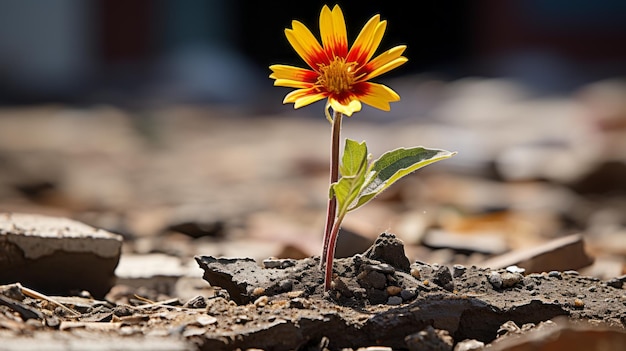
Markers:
{"x": 340, "y": 74}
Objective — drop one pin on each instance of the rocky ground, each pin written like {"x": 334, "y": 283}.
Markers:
{"x": 198, "y": 227}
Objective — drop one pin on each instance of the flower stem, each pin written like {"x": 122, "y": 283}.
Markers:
{"x": 334, "y": 177}
{"x": 330, "y": 254}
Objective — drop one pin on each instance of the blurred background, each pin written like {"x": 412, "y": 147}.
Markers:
{"x": 157, "y": 120}
{"x": 110, "y": 51}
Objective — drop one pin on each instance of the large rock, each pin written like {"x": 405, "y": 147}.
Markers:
{"x": 57, "y": 255}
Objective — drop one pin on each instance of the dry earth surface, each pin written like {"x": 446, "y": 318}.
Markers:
{"x": 198, "y": 227}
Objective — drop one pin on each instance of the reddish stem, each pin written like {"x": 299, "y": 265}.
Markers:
{"x": 334, "y": 177}
{"x": 330, "y": 255}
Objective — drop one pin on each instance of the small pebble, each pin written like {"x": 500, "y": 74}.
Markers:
{"x": 429, "y": 339}
{"x": 285, "y": 285}
{"x": 415, "y": 273}
{"x": 555, "y": 274}
{"x": 495, "y": 279}
{"x": 408, "y": 294}
{"x": 508, "y": 327}
{"x": 85, "y": 294}
{"x": 515, "y": 269}
{"x": 394, "y": 300}
{"x": 52, "y": 321}
{"x": 373, "y": 279}
{"x": 393, "y": 290}
{"x": 258, "y": 291}
{"x": 510, "y": 279}
{"x": 443, "y": 278}
{"x": 469, "y": 345}
{"x": 122, "y": 311}
{"x": 206, "y": 320}
{"x": 294, "y": 294}
{"x": 261, "y": 301}
{"x": 578, "y": 303}
{"x": 571, "y": 272}
{"x": 196, "y": 302}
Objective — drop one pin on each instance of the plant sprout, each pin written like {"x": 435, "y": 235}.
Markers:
{"x": 342, "y": 76}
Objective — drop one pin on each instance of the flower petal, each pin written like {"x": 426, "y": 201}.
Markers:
{"x": 368, "y": 40}
{"x": 303, "y": 97}
{"x": 333, "y": 32}
{"x": 383, "y": 59}
{"x": 386, "y": 67}
{"x": 377, "y": 95}
{"x": 302, "y": 93}
{"x": 375, "y": 40}
{"x": 308, "y": 99}
{"x": 291, "y": 83}
{"x": 347, "y": 109}
{"x": 305, "y": 44}
{"x": 358, "y": 51}
{"x": 293, "y": 73}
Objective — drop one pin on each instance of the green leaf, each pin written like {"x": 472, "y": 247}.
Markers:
{"x": 354, "y": 158}
{"x": 392, "y": 166}
{"x": 353, "y": 168}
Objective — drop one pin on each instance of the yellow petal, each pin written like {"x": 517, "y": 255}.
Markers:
{"x": 386, "y": 57}
{"x": 308, "y": 99}
{"x": 386, "y": 67}
{"x": 333, "y": 31}
{"x": 302, "y": 93}
{"x": 305, "y": 44}
{"x": 292, "y": 73}
{"x": 379, "y": 96}
{"x": 348, "y": 109}
{"x": 358, "y": 50}
{"x": 375, "y": 39}
{"x": 291, "y": 83}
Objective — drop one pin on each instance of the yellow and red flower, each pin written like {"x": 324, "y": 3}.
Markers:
{"x": 340, "y": 74}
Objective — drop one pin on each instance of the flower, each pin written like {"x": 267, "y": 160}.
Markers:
{"x": 336, "y": 73}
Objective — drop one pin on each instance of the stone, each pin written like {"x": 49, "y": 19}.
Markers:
{"x": 563, "y": 335}
{"x": 617, "y": 283}
{"x": 495, "y": 279}
{"x": 469, "y": 345}
{"x": 509, "y": 279}
{"x": 443, "y": 278}
{"x": 57, "y": 255}
{"x": 394, "y": 300}
{"x": 430, "y": 339}
{"x": 389, "y": 249}
{"x": 566, "y": 253}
